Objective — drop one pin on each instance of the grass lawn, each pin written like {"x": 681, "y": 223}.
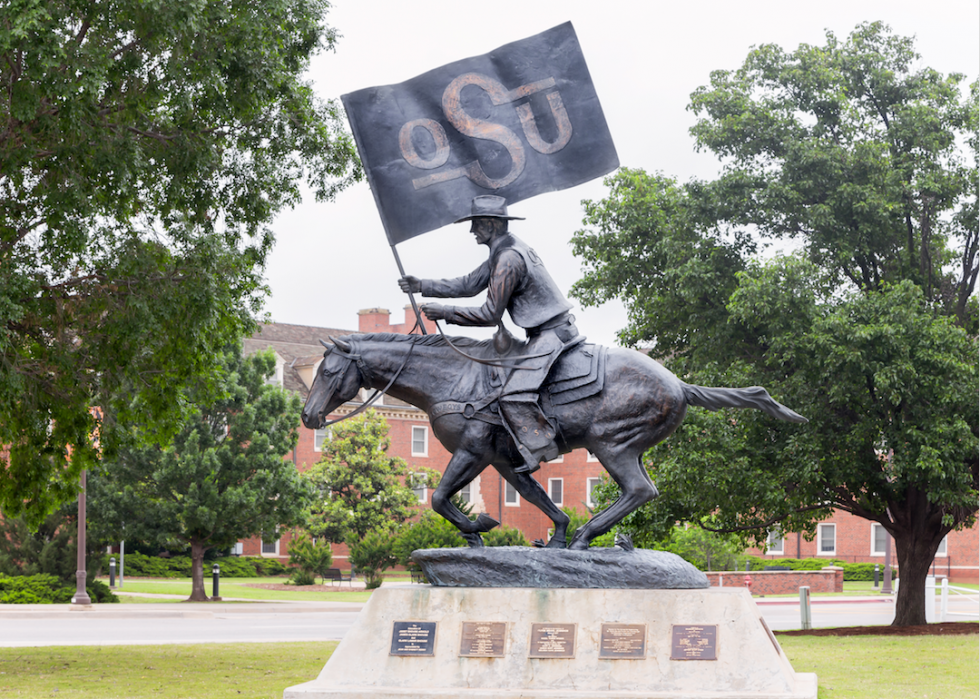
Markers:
{"x": 871, "y": 667}
{"x": 215, "y": 671}
{"x": 856, "y": 667}
{"x": 236, "y": 587}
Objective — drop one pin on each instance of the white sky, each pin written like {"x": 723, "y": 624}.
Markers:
{"x": 645, "y": 57}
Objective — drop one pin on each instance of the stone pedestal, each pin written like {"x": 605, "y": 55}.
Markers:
{"x": 674, "y": 624}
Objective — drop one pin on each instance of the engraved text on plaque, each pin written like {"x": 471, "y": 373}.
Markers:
{"x": 413, "y": 638}
{"x": 552, "y": 641}
{"x": 694, "y": 643}
{"x": 482, "y": 639}
{"x": 623, "y": 641}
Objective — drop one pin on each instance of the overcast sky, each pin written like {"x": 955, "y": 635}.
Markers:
{"x": 645, "y": 57}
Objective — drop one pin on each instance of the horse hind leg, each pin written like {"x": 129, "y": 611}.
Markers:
{"x": 637, "y": 490}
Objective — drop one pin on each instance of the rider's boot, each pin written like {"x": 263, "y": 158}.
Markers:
{"x": 535, "y": 435}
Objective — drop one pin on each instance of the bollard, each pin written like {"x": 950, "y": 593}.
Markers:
{"x": 806, "y": 619}
{"x": 215, "y": 575}
{"x": 112, "y": 572}
{"x": 876, "y": 575}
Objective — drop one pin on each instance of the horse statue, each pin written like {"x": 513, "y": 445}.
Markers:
{"x": 616, "y": 403}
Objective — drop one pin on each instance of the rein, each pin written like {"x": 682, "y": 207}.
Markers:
{"x": 489, "y": 362}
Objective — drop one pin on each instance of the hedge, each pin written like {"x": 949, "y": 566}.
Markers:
{"x": 852, "y": 571}
{"x": 47, "y": 589}
{"x": 139, "y": 565}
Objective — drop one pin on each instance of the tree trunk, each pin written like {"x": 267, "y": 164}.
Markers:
{"x": 197, "y": 572}
{"x": 915, "y": 552}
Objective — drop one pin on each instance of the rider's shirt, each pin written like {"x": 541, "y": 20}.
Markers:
{"x": 516, "y": 281}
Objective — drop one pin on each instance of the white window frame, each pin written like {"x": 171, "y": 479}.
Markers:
{"x": 589, "y": 487}
{"x": 508, "y": 491}
{"x": 820, "y": 530}
{"x": 591, "y": 458}
{"x": 262, "y": 546}
{"x": 874, "y": 527}
{"x": 557, "y": 460}
{"x": 325, "y": 438}
{"x": 771, "y": 548}
{"x": 561, "y": 482}
{"x": 424, "y": 431}
{"x": 466, "y": 493}
{"x": 943, "y": 550}
{"x": 414, "y": 478}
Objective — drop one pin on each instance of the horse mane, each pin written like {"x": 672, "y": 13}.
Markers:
{"x": 419, "y": 340}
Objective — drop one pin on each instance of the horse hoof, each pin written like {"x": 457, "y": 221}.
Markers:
{"x": 538, "y": 544}
{"x": 474, "y": 540}
{"x": 578, "y": 545}
{"x": 485, "y": 522}
{"x": 557, "y": 543}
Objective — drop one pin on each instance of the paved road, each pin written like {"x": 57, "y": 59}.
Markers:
{"x": 47, "y": 625}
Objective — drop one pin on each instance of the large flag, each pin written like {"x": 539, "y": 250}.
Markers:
{"x": 516, "y": 122}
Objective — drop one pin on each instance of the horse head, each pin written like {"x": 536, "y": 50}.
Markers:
{"x": 337, "y": 381}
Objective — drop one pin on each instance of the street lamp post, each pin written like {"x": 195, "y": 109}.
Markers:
{"x": 81, "y": 596}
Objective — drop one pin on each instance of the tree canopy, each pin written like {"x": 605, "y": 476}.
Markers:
{"x": 144, "y": 149}
{"x": 861, "y": 167}
{"x": 221, "y": 479}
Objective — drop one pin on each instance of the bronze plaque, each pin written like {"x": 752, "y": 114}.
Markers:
{"x": 623, "y": 641}
{"x": 482, "y": 639}
{"x": 413, "y": 638}
{"x": 694, "y": 643}
{"x": 552, "y": 641}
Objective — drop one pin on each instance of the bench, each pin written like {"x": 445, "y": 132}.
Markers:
{"x": 418, "y": 577}
{"x": 336, "y": 575}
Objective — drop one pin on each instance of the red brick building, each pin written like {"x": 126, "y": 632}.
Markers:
{"x": 569, "y": 479}
{"x": 853, "y": 539}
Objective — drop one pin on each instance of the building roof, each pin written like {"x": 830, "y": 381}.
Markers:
{"x": 297, "y": 345}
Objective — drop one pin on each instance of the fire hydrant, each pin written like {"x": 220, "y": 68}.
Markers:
{"x": 748, "y": 583}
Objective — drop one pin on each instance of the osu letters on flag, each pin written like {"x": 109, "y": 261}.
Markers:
{"x": 519, "y": 121}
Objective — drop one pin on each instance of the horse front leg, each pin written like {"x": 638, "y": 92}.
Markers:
{"x": 463, "y": 467}
{"x": 532, "y": 491}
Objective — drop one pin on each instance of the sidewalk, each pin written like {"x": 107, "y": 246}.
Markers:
{"x": 170, "y": 610}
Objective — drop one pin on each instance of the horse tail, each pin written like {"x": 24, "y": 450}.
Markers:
{"x": 752, "y": 397}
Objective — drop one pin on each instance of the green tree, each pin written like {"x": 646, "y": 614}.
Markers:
{"x": 144, "y": 149}
{"x": 360, "y": 487}
{"x": 867, "y": 165}
{"x": 222, "y": 478}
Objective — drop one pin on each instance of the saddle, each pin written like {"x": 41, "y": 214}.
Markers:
{"x": 578, "y": 373}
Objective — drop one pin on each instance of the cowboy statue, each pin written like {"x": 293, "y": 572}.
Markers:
{"x": 517, "y": 282}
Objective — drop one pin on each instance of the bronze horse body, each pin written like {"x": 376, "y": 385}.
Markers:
{"x": 641, "y": 403}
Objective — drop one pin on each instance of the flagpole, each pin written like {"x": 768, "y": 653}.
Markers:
{"x": 411, "y": 296}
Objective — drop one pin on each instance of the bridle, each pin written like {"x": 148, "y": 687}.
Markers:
{"x": 365, "y": 372}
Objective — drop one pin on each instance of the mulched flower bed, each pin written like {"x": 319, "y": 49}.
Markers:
{"x": 947, "y": 628}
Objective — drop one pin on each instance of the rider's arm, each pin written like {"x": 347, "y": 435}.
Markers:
{"x": 461, "y": 287}
{"x": 507, "y": 274}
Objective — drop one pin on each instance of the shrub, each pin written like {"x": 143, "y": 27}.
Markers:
{"x": 504, "y": 536}
{"x": 372, "y": 555}
{"x": 312, "y": 557}
{"x": 431, "y": 531}
{"x": 852, "y": 571}
{"x": 302, "y": 577}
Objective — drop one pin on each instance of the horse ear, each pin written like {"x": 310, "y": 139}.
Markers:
{"x": 344, "y": 346}
{"x": 325, "y": 344}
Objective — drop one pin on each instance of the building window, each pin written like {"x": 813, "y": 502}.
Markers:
{"x": 270, "y": 548}
{"x": 466, "y": 494}
{"x": 420, "y": 441}
{"x": 878, "y": 538}
{"x": 418, "y": 483}
{"x": 590, "y": 486}
{"x": 511, "y": 497}
{"x": 774, "y": 543}
{"x": 560, "y": 458}
{"x": 826, "y": 539}
{"x": 319, "y": 437}
{"x": 942, "y": 547}
{"x": 590, "y": 457}
{"x": 555, "y": 488}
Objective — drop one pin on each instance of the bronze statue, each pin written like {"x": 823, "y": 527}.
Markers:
{"x": 516, "y": 281}
{"x": 616, "y": 403}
